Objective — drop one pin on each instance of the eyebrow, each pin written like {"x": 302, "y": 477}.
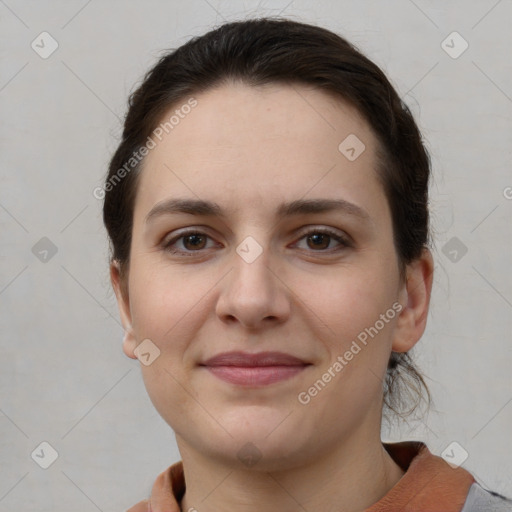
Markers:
{"x": 298, "y": 207}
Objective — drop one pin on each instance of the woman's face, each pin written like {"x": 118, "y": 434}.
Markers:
{"x": 257, "y": 280}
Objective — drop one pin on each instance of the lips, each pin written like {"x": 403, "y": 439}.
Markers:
{"x": 247, "y": 360}
{"x": 254, "y": 370}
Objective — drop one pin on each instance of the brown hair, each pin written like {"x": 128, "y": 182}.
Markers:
{"x": 276, "y": 50}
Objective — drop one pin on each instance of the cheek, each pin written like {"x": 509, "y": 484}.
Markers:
{"x": 347, "y": 302}
{"x": 355, "y": 320}
{"x": 167, "y": 390}
{"x": 356, "y": 328}
{"x": 163, "y": 313}
{"x": 162, "y": 302}
{"x": 168, "y": 309}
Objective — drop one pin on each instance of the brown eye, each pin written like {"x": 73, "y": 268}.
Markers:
{"x": 195, "y": 241}
{"x": 319, "y": 240}
{"x": 192, "y": 241}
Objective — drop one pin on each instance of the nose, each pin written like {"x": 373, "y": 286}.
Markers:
{"x": 253, "y": 293}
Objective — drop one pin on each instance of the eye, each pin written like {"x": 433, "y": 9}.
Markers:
{"x": 192, "y": 239}
{"x": 195, "y": 241}
{"x": 321, "y": 238}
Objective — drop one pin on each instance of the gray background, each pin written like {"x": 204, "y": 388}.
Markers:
{"x": 64, "y": 379}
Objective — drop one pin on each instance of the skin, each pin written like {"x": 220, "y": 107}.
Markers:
{"x": 249, "y": 149}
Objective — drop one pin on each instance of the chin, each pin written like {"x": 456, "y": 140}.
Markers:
{"x": 269, "y": 433}
{"x": 261, "y": 454}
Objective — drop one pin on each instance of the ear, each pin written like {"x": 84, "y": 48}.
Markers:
{"x": 121, "y": 291}
{"x": 414, "y": 296}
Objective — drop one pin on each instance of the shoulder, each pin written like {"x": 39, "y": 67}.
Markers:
{"x": 482, "y": 500}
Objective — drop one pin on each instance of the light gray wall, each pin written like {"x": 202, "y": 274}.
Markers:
{"x": 63, "y": 377}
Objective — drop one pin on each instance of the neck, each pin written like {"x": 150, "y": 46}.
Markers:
{"x": 350, "y": 478}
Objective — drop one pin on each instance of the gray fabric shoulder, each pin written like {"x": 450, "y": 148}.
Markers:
{"x": 482, "y": 500}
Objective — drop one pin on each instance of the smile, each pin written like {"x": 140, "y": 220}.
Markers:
{"x": 255, "y": 375}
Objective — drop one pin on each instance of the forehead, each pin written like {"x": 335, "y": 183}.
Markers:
{"x": 251, "y": 147}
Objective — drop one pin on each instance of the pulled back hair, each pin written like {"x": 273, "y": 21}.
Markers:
{"x": 281, "y": 51}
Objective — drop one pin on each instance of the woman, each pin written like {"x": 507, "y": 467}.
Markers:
{"x": 267, "y": 211}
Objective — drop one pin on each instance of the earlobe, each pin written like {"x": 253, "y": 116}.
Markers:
{"x": 129, "y": 341}
{"x": 415, "y": 300}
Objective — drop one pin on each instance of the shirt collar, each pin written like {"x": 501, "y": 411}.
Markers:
{"x": 429, "y": 482}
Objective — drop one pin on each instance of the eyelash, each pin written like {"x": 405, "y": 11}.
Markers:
{"x": 324, "y": 231}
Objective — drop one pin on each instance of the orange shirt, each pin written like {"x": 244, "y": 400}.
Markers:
{"x": 429, "y": 485}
